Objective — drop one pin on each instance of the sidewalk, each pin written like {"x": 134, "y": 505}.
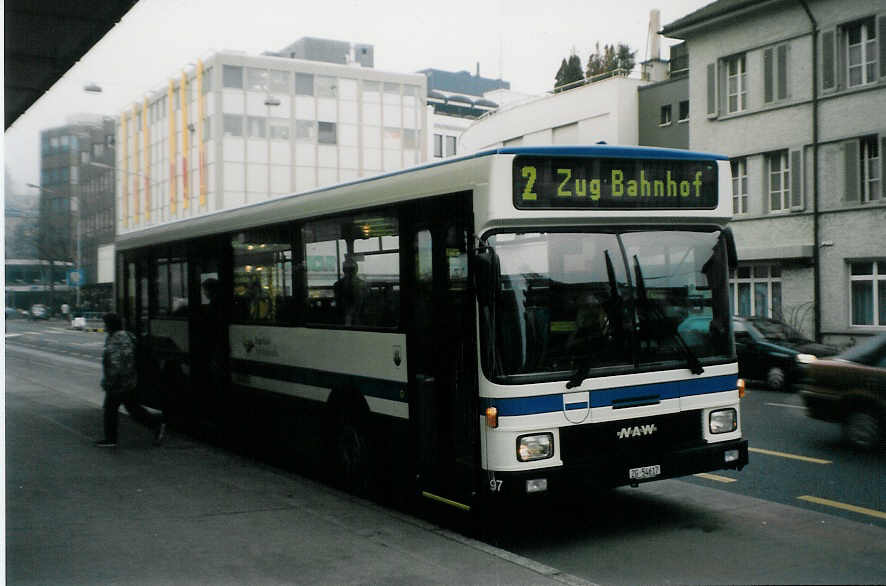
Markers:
{"x": 187, "y": 513}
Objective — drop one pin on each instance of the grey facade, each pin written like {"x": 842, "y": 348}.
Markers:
{"x": 328, "y": 51}
{"x": 796, "y": 100}
{"x": 662, "y": 107}
{"x": 76, "y": 210}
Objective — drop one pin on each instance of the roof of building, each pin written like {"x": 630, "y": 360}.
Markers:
{"x": 709, "y": 12}
{"x": 462, "y": 82}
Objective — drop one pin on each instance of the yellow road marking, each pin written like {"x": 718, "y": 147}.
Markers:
{"x": 844, "y": 506}
{"x": 791, "y": 456}
{"x": 715, "y": 477}
{"x": 441, "y": 499}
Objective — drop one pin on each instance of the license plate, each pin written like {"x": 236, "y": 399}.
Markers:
{"x": 644, "y": 472}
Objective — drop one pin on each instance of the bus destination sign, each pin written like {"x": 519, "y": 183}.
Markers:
{"x": 613, "y": 183}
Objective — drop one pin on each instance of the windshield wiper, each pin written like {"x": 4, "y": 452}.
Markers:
{"x": 652, "y": 314}
{"x": 614, "y": 314}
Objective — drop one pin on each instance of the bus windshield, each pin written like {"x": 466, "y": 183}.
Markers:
{"x": 571, "y": 305}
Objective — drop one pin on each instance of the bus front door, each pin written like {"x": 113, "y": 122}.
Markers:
{"x": 209, "y": 335}
{"x": 442, "y": 354}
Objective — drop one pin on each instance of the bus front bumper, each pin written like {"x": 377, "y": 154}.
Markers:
{"x": 609, "y": 472}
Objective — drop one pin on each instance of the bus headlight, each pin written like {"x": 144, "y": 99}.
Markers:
{"x": 723, "y": 421}
{"x": 537, "y": 446}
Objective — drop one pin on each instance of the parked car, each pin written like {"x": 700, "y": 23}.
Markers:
{"x": 849, "y": 389}
{"x": 11, "y": 312}
{"x": 39, "y": 311}
{"x": 767, "y": 350}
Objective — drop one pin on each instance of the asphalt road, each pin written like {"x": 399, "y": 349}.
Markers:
{"x": 806, "y": 510}
{"x": 800, "y": 461}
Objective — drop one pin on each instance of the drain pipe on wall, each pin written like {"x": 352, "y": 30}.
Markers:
{"x": 816, "y": 256}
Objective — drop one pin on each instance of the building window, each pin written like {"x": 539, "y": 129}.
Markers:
{"x": 305, "y": 130}
{"x": 304, "y": 84}
{"x": 438, "y": 146}
{"x": 684, "y": 111}
{"x": 327, "y": 87}
{"x": 279, "y": 131}
{"x": 870, "y": 168}
{"x": 233, "y": 125}
{"x": 861, "y": 52}
{"x": 756, "y": 290}
{"x": 232, "y": 76}
{"x": 256, "y": 79}
{"x": 278, "y": 82}
{"x": 775, "y": 74}
{"x": 739, "y": 186}
{"x": 326, "y": 133}
{"x": 779, "y": 181}
{"x": 450, "y": 146}
{"x": 736, "y": 84}
{"x": 410, "y": 139}
{"x": 868, "y": 293}
{"x": 664, "y": 117}
{"x": 256, "y": 127}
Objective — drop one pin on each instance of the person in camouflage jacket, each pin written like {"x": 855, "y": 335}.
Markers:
{"x": 120, "y": 380}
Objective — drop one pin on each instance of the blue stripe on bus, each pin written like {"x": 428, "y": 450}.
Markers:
{"x": 618, "y": 397}
{"x": 371, "y": 387}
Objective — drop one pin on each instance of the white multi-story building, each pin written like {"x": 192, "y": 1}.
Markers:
{"x": 237, "y": 129}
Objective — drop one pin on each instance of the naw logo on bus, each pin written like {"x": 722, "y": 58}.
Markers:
{"x": 636, "y": 431}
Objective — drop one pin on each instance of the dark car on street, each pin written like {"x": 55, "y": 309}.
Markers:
{"x": 849, "y": 389}
{"x": 767, "y": 350}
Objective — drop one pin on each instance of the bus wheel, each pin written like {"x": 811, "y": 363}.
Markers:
{"x": 353, "y": 459}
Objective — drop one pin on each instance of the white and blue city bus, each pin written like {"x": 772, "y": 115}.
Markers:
{"x": 514, "y": 322}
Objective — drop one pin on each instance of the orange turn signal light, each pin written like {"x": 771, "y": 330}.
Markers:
{"x": 741, "y": 387}
{"x": 492, "y": 417}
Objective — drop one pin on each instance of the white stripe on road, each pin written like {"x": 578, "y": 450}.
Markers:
{"x": 787, "y": 405}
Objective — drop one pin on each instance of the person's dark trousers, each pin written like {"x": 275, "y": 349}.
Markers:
{"x": 135, "y": 410}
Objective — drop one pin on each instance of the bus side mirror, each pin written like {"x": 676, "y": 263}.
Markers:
{"x": 486, "y": 275}
{"x": 731, "y": 252}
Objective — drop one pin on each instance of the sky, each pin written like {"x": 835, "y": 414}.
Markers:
{"x": 519, "y": 41}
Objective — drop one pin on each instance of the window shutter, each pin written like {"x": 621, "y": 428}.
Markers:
{"x": 767, "y": 75}
{"x": 828, "y": 62}
{"x": 850, "y": 152}
{"x": 881, "y": 39}
{"x": 767, "y": 204}
{"x": 797, "y": 198}
{"x": 883, "y": 166}
{"x": 712, "y": 89}
{"x": 782, "y": 72}
{"x": 722, "y": 87}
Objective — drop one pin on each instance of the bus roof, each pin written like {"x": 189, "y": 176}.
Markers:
{"x": 606, "y": 151}
{"x": 173, "y": 228}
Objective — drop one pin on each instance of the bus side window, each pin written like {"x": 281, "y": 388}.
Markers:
{"x": 262, "y": 275}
